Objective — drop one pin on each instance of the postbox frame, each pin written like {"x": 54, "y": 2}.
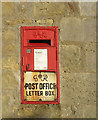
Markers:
{"x": 55, "y": 29}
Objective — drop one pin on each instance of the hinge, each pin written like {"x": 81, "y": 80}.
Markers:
{"x": 22, "y": 60}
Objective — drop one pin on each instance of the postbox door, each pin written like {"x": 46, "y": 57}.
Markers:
{"x": 33, "y": 61}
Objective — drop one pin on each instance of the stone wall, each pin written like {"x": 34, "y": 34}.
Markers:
{"x": 77, "y": 47}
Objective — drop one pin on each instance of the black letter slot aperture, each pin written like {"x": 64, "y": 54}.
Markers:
{"x": 41, "y": 42}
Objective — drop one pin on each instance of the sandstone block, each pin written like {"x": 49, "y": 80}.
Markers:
{"x": 11, "y": 48}
{"x": 71, "y": 29}
{"x": 10, "y": 62}
{"x": 24, "y": 10}
{"x": 71, "y": 58}
{"x": 7, "y": 9}
{"x": 90, "y": 52}
{"x": 89, "y": 111}
{"x": 17, "y": 22}
{"x": 10, "y": 101}
{"x": 96, "y": 29}
{"x": 0, "y": 103}
{"x": 78, "y": 89}
{"x": 5, "y": 107}
{"x": 96, "y": 9}
{"x": 87, "y": 8}
{"x": 89, "y": 29}
{"x": 76, "y": 29}
{"x": 39, "y": 111}
{"x": 45, "y": 22}
{"x": 49, "y": 9}
{"x": 72, "y": 111}
{"x": 10, "y": 80}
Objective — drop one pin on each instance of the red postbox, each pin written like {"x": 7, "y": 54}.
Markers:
{"x": 39, "y": 65}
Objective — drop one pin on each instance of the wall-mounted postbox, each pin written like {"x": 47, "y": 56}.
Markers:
{"x": 39, "y": 65}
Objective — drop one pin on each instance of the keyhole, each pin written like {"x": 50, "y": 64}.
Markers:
{"x": 28, "y": 66}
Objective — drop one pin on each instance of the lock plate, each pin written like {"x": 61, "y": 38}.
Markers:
{"x": 28, "y": 50}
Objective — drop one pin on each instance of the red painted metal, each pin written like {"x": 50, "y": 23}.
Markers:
{"x": 38, "y": 33}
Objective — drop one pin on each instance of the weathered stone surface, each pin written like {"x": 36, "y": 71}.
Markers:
{"x": 15, "y": 22}
{"x": 77, "y": 58}
{"x": 0, "y": 101}
{"x": 71, "y": 29}
{"x": 9, "y": 35}
{"x": 33, "y": 0}
{"x": 89, "y": 111}
{"x": 45, "y": 22}
{"x": 71, "y": 58}
{"x": 90, "y": 52}
{"x": 72, "y": 111}
{"x": 8, "y": 9}
{"x": 96, "y": 9}
{"x": 49, "y": 9}
{"x": 89, "y": 29}
{"x": 10, "y": 79}
{"x": 96, "y": 94}
{"x": 24, "y": 10}
{"x": 40, "y": 111}
{"x": 96, "y": 29}
{"x": 76, "y": 29}
{"x": 23, "y": 0}
{"x": 10, "y": 100}
{"x": 53, "y": 9}
{"x": 77, "y": 90}
{"x": 6, "y": 109}
{"x": 7, "y": 0}
{"x": 35, "y": 111}
{"x": 10, "y": 51}
{"x": 10, "y": 62}
{"x": 87, "y": 8}
{"x": 0, "y": 61}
